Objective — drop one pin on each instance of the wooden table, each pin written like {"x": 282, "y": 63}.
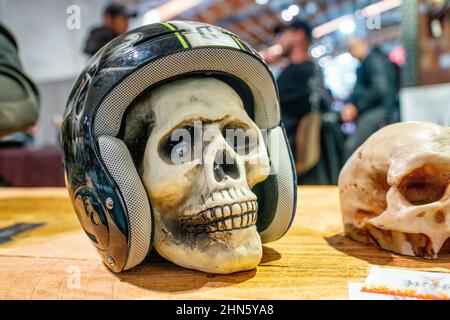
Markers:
{"x": 56, "y": 261}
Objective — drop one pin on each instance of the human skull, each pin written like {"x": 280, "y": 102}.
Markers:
{"x": 394, "y": 190}
{"x": 200, "y": 189}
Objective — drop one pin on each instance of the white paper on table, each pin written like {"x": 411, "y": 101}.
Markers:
{"x": 407, "y": 284}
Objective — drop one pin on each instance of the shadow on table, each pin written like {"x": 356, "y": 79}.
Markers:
{"x": 159, "y": 274}
{"x": 269, "y": 255}
{"x": 377, "y": 256}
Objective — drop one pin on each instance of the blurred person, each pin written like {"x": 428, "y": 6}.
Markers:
{"x": 374, "y": 101}
{"x": 19, "y": 97}
{"x": 116, "y": 19}
{"x": 294, "y": 81}
{"x": 302, "y": 100}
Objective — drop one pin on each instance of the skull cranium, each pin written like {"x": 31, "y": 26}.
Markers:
{"x": 395, "y": 192}
{"x": 203, "y": 206}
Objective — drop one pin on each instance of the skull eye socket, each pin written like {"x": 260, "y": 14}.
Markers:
{"x": 178, "y": 146}
{"x": 424, "y": 185}
{"x": 243, "y": 140}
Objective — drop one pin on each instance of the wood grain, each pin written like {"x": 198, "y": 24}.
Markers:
{"x": 313, "y": 261}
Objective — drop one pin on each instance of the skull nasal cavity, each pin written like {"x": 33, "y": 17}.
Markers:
{"x": 225, "y": 166}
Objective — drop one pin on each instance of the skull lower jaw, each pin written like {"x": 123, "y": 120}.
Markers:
{"x": 220, "y": 252}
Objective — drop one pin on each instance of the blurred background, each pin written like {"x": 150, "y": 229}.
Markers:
{"x": 52, "y": 38}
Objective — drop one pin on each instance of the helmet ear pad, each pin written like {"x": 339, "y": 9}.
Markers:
{"x": 118, "y": 161}
{"x": 277, "y": 194}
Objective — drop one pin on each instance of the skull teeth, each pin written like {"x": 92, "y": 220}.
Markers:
{"x": 236, "y": 209}
{"x": 237, "y": 221}
{"x": 222, "y": 218}
{"x": 218, "y": 213}
{"x": 226, "y": 211}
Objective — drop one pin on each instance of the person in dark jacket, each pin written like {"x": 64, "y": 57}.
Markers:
{"x": 374, "y": 102}
{"x": 19, "y": 97}
{"x": 301, "y": 92}
{"x": 115, "y": 22}
{"x": 298, "y": 82}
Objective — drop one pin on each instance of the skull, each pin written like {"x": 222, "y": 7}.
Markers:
{"x": 199, "y": 185}
{"x": 394, "y": 190}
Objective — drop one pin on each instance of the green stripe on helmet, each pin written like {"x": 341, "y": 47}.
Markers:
{"x": 238, "y": 42}
{"x": 180, "y": 38}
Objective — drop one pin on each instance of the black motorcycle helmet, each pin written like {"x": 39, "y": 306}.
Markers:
{"x": 104, "y": 186}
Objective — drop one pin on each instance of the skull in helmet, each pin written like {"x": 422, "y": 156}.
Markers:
{"x": 199, "y": 154}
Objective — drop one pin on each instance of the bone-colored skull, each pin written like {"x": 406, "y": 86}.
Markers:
{"x": 394, "y": 190}
{"x": 200, "y": 189}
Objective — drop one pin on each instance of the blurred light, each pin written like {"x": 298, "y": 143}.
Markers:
{"x": 348, "y": 127}
{"x": 347, "y": 26}
{"x": 324, "y": 61}
{"x": 261, "y": 2}
{"x": 380, "y": 7}
{"x": 151, "y": 16}
{"x": 329, "y": 26}
{"x": 345, "y": 58}
{"x": 285, "y": 15}
{"x": 349, "y": 77}
{"x": 311, "y": 8}
{"x": 397, "y": 55}
{"x": 436, "y": 28}
{"x": 370, "y": 10}
{"x": 169, "y": 10}
{"x": 338, "y": 72}
{"x": 293, "y": 10}
{"x": 318, "y": 51}
{"x": 337, "y": 105}
{"x": 444, "y": 61}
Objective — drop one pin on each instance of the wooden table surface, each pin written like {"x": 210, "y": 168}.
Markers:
{"x": 55, "y": 260}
